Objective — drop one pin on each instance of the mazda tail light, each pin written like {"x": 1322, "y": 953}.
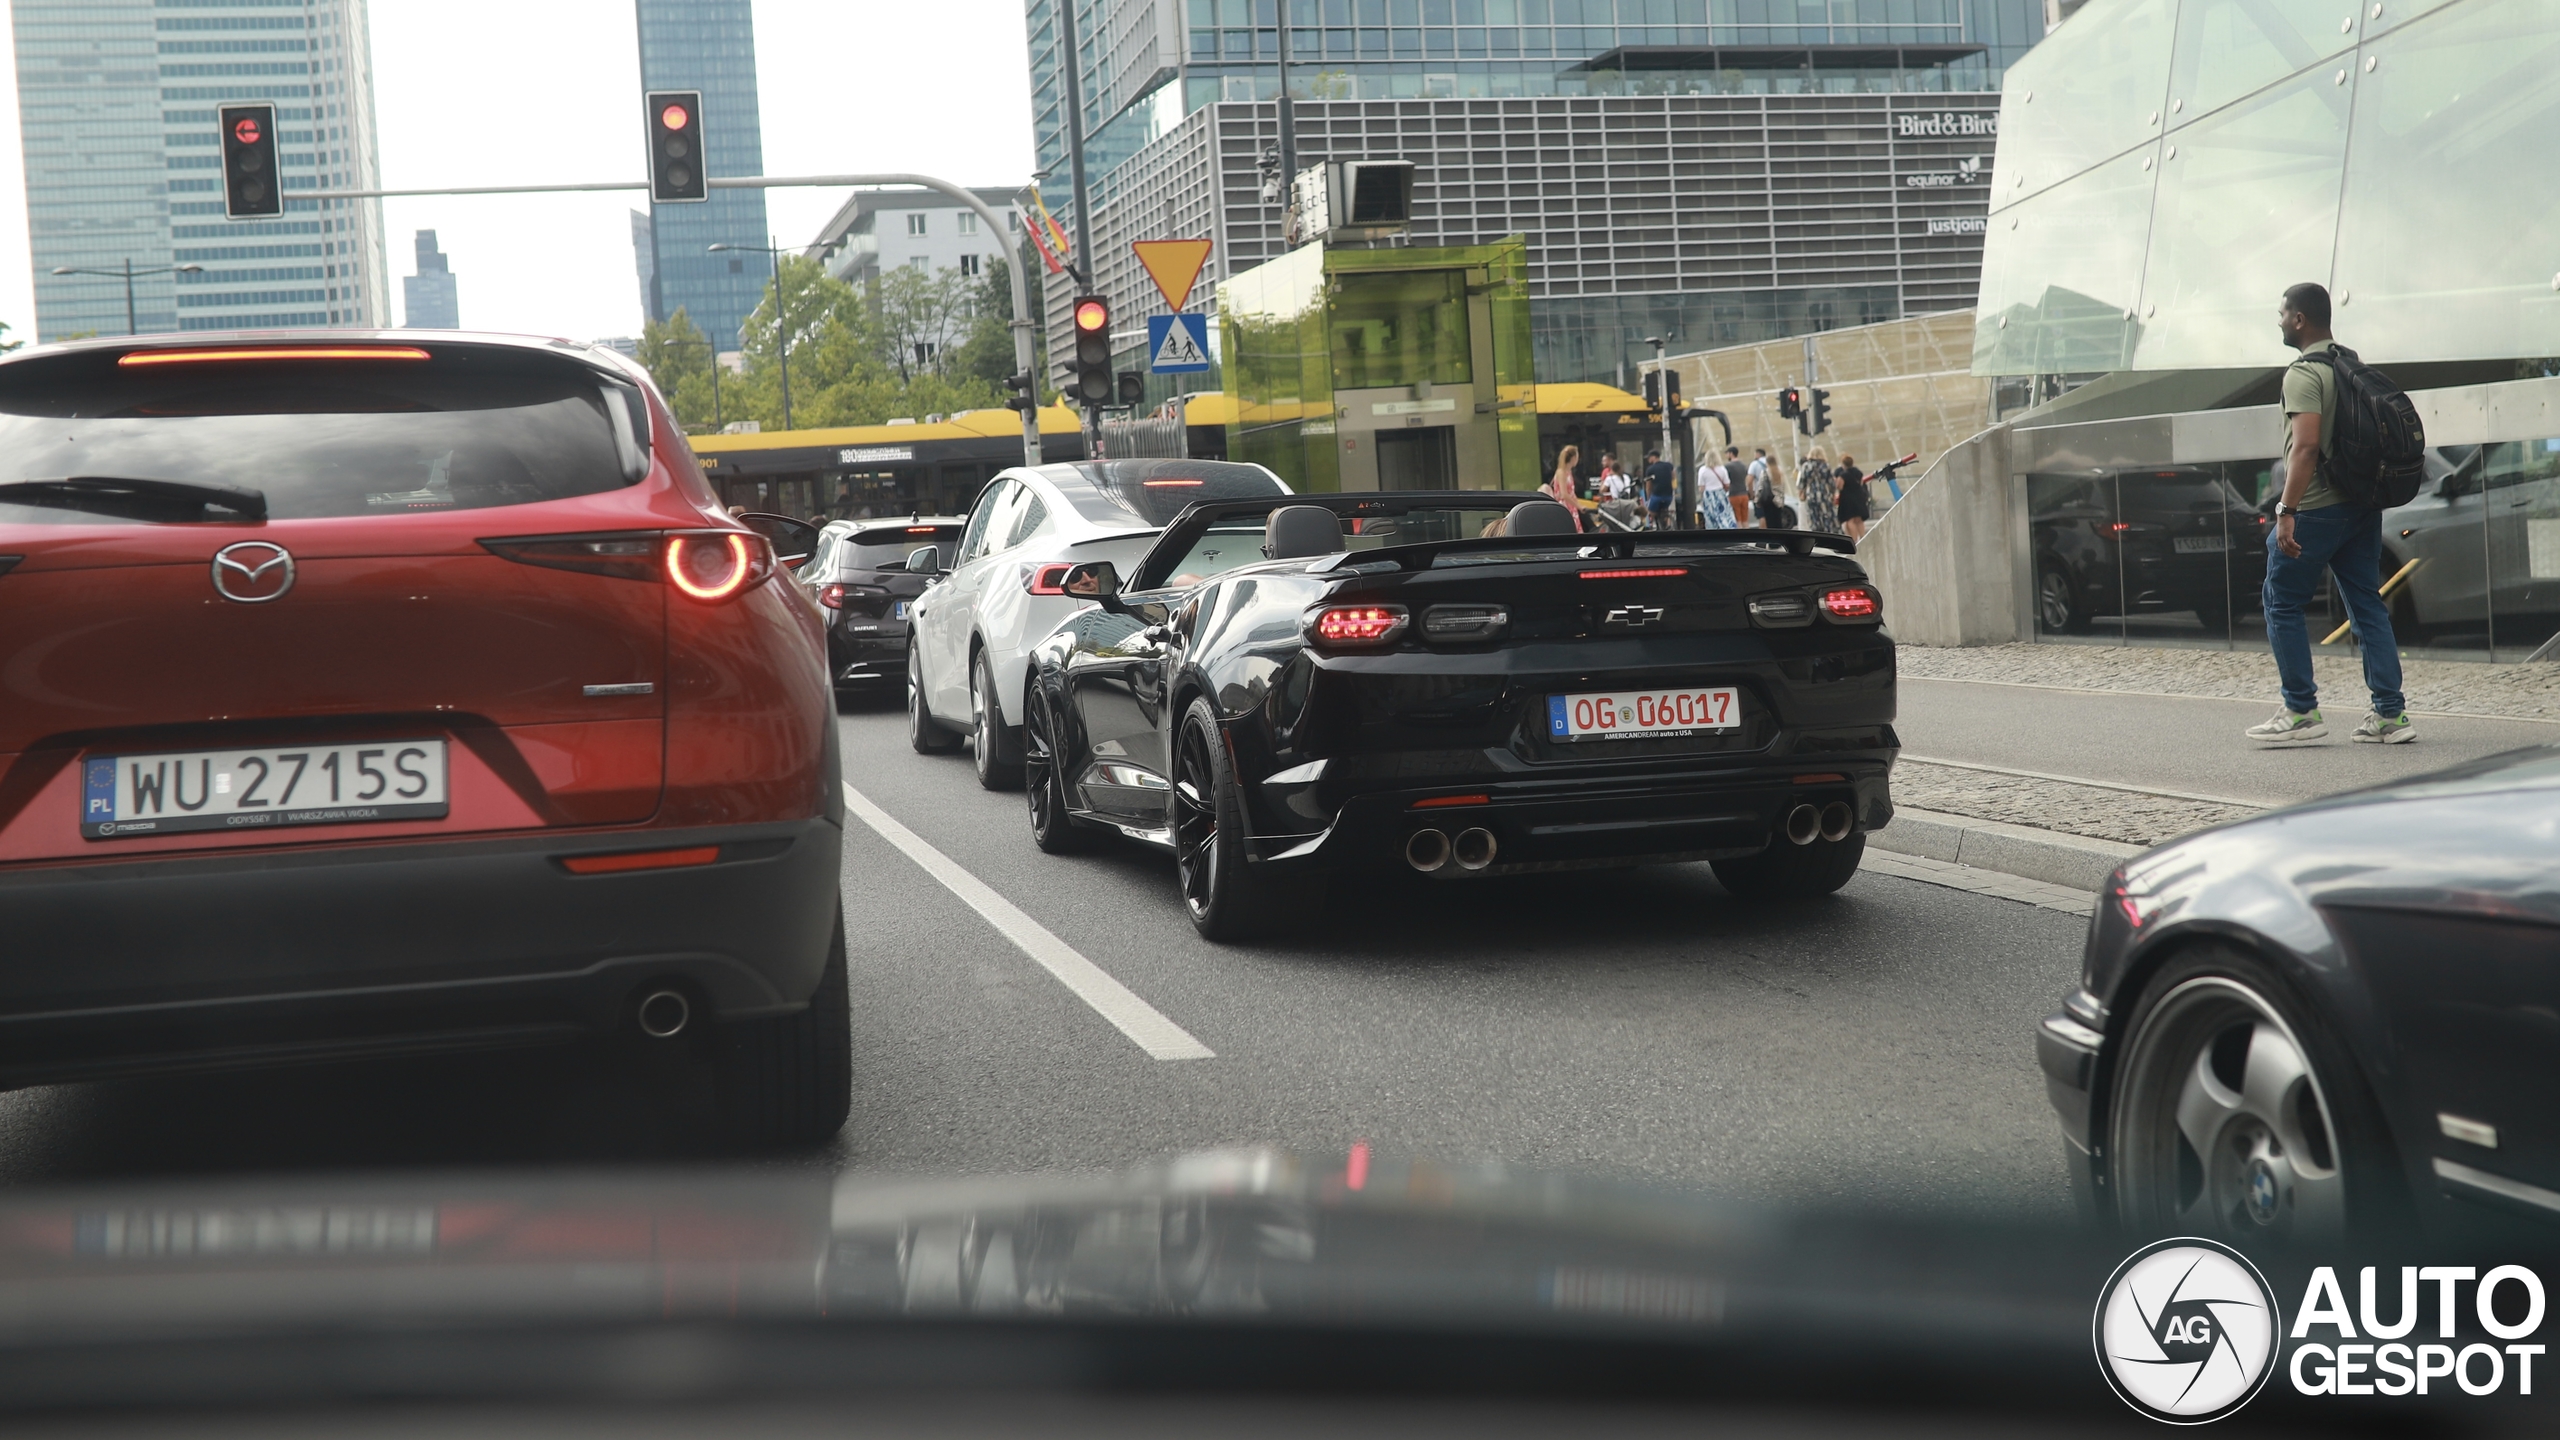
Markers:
{"x": 1853, "y": 603}
{"x": 1357, "y": 626}
{"x": 631, "y": 555}
{"x": 717, "y": 565}
{"x": 1048, "y": 579}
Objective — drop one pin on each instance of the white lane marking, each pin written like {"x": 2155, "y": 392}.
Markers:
{"x": 2092, "y": 784}
{"x": 1110, "y": 999}
{"x": 2226, "y": 699}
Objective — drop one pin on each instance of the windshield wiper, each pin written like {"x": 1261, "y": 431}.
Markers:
{"x": 131, "y": 499}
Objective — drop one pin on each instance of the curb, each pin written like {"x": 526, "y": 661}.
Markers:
{"x": 2048, "y": 855}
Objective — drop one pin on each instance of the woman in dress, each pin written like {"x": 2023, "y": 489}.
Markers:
{"x": 1814, "y": 483}
{"x": 1562, "y": 487}
{"x": 1850, "y": 502}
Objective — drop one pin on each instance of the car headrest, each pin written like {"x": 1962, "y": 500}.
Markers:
{"x": 1539, "y": 517}
{"x": 1301, "y": 532}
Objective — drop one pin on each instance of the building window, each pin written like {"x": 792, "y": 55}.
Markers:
{"x": 737, "y": 267}
{"x": 968, "y": 264}
{"x": 968, "y": 222}
{"x": 915, "y": 224}
{"x": 919, "y": 262}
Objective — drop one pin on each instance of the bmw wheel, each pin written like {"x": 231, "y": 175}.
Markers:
{"x": 1226, "y": 900}
{"x": 925, "y": 735}
{"x": 1044, "y": 781}
{"x": 2234, "y": 1116}
{"x": 998, "y": 752}
{"x": 2056, "y": 608}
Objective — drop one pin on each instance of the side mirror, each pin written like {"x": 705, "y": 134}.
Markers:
{"x": 1093, "y": 580}
{"x": 924, "y": 560}
{"x": 794, "y": 541}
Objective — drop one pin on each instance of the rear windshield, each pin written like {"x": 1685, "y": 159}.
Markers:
{"x": 1152, "y": 492}
{"x": 889, "y": 549}
{"x": 354, "y": 438}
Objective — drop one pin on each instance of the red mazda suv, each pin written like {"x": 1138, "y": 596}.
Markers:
{"x": 365, "y": 694}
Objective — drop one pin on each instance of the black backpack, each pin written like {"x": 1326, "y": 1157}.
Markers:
{"x": 2377, "y": 445}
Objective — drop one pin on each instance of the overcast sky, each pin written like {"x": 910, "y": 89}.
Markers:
{"x": 519, "y": 92}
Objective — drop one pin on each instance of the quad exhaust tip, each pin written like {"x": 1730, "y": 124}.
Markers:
{"x": 1426, "y": 850}
{"x": 1473, "y": 849}
{"x": 1804, "y": 825}
{"x": 1837, "y": 820}
{"x": 664, "y": 1014}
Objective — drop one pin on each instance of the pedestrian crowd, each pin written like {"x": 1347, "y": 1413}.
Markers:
{"x": 1733, "y": 493}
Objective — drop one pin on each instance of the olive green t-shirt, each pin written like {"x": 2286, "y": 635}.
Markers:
{"x": 2311, "y": 390}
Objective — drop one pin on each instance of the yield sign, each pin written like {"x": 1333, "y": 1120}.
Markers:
{"x": 1173, "y": 265}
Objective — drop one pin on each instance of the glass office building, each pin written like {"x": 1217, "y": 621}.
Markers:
{"x": 710, "y": 46}
{"x": 116, "y": 109}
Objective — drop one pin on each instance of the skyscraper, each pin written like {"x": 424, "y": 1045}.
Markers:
{"x": 429, "y": 298}
{"x": 710, "y": 46}
{"x": 116, "y": 108}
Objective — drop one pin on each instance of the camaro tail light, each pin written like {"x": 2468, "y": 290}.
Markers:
{"x": 716, "y": 565}
{"x": 832, "y": 597}
{"x": 1657, "y": 572}
{"x": 1784, "y": 610}
{"x": 1048, "y": 579}
{"x": 1357, "y": 625}
{"x": 138, "y": 358}
{"x": 1852, "y": 602}
{"x": 1464, "y": 622}
{"x": 631, "y": 556}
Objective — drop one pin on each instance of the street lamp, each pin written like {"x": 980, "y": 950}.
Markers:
{"x": 781, "y": 325}
{"x": 128, "y": 272}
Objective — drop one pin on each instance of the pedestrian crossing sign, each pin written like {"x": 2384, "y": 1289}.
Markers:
{"x": 1177, "y": 344}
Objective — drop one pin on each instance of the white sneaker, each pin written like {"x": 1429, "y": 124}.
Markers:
{"x": 2287, "y": 728}
{"x": 2398, "y": 730}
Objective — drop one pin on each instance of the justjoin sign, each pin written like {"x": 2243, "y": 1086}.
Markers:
{"x": 2188, "y": 1331}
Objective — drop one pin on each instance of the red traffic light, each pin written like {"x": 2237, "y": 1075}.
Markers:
{"x": 675, "y": 117}
{"x": 1092, "y": 315}
{"x": 247, "y": 131}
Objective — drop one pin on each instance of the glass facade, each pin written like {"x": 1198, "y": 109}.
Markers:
{"x": 2167, "y": 167}
{"x": 710, "y": 46}
{"x": 117, "y": 102}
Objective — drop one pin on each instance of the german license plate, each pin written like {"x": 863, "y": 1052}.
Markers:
{"x": 2201, "y": 545}
{"x": 265, "y": 788}
{"x": 1643, "y": 714}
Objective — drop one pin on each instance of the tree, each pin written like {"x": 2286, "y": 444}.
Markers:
{"x": 922, "y": 315}
{"x": 678, "y": 357}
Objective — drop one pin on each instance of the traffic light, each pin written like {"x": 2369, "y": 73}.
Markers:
{"x": 1818, "y": 414}
{"x": 1094, "y": 383}
{"x": 1133, "y": 389}
{"x": 1790, "y": 403}
{"x": 675, "y": 147}
{"x": 249, "y": 188}
{"x": 1023, "y": 396}
{"x": 1653, "y": 389}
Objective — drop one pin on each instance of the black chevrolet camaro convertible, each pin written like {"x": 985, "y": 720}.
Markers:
{"x": 1455, "y": 684}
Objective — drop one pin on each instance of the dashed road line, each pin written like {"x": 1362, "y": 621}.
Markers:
{"x": 1110, "y": 999}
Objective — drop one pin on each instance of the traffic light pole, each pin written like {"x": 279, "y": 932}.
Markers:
{"x": 1022, "y": 326}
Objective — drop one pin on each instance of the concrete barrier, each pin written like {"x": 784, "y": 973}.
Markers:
{"x": 1945, "y": 555}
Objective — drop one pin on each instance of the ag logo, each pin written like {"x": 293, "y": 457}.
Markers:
{"x": 2186, "y": 1331}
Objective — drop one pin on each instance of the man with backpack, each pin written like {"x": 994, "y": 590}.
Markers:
{"x": 2352, "y": 448}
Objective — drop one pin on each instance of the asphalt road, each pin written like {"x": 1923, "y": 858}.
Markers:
{"x": 2178, "y": 742}
{"x": 1872, "y": 1050}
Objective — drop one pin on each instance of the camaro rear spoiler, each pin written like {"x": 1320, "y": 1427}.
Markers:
{"x": 1600, "y": 546}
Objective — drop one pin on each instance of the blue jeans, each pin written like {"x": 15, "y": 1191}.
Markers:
{"x": 2346, "y": 541}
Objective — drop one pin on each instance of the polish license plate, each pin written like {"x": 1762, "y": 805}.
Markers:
{"x": 1643, "y": 714}
{"x": 2201, "y": 545}
{"x": 898, "y": 610}
{"x": 261, "y": 789}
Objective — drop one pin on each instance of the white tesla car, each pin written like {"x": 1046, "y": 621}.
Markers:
{"x": 973, "y": 626}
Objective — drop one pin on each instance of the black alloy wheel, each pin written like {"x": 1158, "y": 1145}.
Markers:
{"x": 1788, "y": 871}
{"x": 1044, "y": 780}
{"x": 2057, "y": 609}
{"x": 1226, "y": 900}
{"x": 996, "y": 751}
{"x": 2235, "y": 1116}
{"x": 925, "y": 735}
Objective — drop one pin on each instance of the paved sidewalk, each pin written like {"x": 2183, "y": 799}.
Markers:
{"x": 2444, "y": 687}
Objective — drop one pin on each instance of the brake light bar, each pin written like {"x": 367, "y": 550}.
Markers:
{"x": 639, "y": 860}
{"x": 1650, "y": 573}
{"x": 1048, "y": 579}
{"x": 138, "y": 358}
{"x": 1155, "y": 484}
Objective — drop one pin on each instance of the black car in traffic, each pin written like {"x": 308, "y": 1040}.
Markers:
{"x": 1455, "y": 684}
{"x": 859, "y": 574}
{"x": 2328, "y": 1020}
{"x": 2143, "y": 542}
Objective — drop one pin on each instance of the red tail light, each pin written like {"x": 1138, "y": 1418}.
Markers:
{"x": 1357, "y": 625}
{"x": 1851, "y": 603}
{"x": 137, "y": 358}
{"x": 1049, "y": 579}
{"x": 832, "y": 597}
{"x": 717, "y": 565}
{"x": 628, "y": 556}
